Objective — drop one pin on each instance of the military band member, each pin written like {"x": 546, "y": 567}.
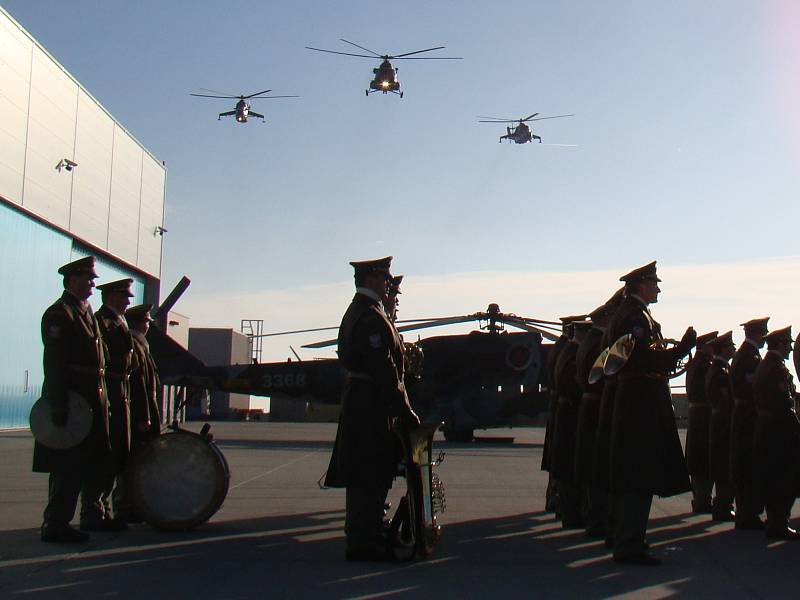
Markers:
{"x": 646, "y": 455}
{"x": 551, "y": 494}
{"x": 116, "y": 297}
{"x": 562, "y": 465}
{"x": 74, "y": 362}
{"x": 392, "y": 301}
{"x": 776, "y": 450}
{"x": 719, "y": 393}
{"x": 699, "y": 413}
{"x": 144, "y": 381}
{"x": 589, "y": 417}
{"x": 366, "y": 453}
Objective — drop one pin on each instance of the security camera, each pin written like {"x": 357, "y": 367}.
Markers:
{"x": 66, "y": 164}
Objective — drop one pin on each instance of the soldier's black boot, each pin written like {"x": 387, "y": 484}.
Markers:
{"x": 62, "y": 534}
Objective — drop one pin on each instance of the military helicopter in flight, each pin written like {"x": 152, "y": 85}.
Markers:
{"x": 488, "y": 378}
{"x": 385, "y": 75}
{"x": 242, "y": 110}
{"x": 520, "y": 134}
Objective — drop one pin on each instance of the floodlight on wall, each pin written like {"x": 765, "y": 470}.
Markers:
{"x": 66, "y": 164}
{"x": 159, "y": 231}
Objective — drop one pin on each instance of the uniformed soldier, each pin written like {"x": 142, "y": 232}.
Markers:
{"x": 749, "y": 504}
{"x": 392, "y": 300}
{"x": 646, "y": 455}
{"x": 719, "y": 393}
{"x": 551, "y": 494}
{"x": 699, "y": 414}
{"x": 116, "y": 297}
{"x": 562, "y": 466}
{"x": 144, "y": 381}
{"x": 589, "y": 416}
{"x": 366, "y": 452}
{"x": 776, "y": 449}
{"x": 74, "y": 362}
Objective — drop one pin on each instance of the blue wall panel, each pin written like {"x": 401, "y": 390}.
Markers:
{"x": 30, "y": 255}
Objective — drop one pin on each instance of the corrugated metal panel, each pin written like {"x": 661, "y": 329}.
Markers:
{"x": 15, "y": 72}
{"x": 51, "y": 137}
{"x": 91, "y": 191}
{"x": 30, "y": 255}
{"x": 126, "y": 189}
{"x": 152, "y": 216}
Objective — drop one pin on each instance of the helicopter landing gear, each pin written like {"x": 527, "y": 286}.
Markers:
{"x": 401, "y": 94}
{"x": 367, "y": 93}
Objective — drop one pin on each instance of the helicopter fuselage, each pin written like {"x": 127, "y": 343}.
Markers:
{"x": 385, "y": 79}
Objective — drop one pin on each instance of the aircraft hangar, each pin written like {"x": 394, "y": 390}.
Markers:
{"x": 73, "y": 182}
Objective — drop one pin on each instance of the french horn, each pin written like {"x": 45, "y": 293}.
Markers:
{"x": 596, "y": 372}
{"x": 618, "y": 354}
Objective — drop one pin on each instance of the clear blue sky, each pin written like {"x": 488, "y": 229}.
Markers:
{"x": 686, "y": 127}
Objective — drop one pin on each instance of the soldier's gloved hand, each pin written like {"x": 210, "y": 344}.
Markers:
{"x": 687, "y": 342}
{"x": 59, "y": 416}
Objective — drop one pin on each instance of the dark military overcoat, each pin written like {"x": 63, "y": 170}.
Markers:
{"x": 120, "y": 355}
{"x": 562, "y": 458}
{"x": 602, "y": 442}
{"x": 144, "y": 384}
{"x": 646, "y": 453}
{"x": 719, "y": 393}
{"x": 552, "y": 405}
{"x": 589, "y": 409}
{"x": 697, "y": 431}
{"x": 366, "y": 452}
{"x": 743, "y": 423}
{"x": 74, "y": 361}
{"x": 776, "y": 450}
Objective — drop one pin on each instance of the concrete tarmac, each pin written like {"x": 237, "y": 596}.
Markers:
{"x": 279, "y": 536}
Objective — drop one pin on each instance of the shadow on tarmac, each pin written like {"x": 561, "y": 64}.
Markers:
{"x": 303, "y": 555}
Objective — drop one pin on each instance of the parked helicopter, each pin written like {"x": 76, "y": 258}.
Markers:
{"x": 521, "y": 133}
{"x": 385, "y": 75}
{"x": 242, "y": 110}
{"x": 484, "y": 379}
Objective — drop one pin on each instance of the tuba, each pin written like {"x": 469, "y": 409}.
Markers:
{"x": 414, "y": 530}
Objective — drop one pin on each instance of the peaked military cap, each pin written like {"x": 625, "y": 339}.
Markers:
{"x": 759, "y": 325}
{"x": 705, "y": 338}
{"x": 122, "y": 286}
{"x": 647, "y": 272}
{"x": 572, "y": 319}
{"x": 722, "y": 341}
{"x": 139, "y": 312}
{"x": 379, "y": 265}
{"x": 76, "y": 267}
{"x": 394, "y": 284}
{"x": 779, "y": 335}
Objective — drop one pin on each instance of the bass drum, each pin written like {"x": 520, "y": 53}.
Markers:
{"x": 178, "y": 480}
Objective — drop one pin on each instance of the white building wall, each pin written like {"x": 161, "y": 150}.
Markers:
{"x": 114, "y": 198}
{"x": 15, "y": 73}
{"x": 91, "y": 181}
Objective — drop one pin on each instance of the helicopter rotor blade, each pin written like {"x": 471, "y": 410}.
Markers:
{"x": 342, "y": 53}
{"x": 426, "y": 57}
{"x": 519, "y": 325}
{"x": 268, "y": 97}
{"x": 263, "y": 335}
{"x": 257, "y": 94}
{"x": 529, "y": 117}
{"x": 556, "y": 117}
{"x": 218, "y": 92}
{"x": 361, "y": 47}
{"x": 503, "y": 121}
{"x": 416, "y": 52}
{"x": 207, "y": 96}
